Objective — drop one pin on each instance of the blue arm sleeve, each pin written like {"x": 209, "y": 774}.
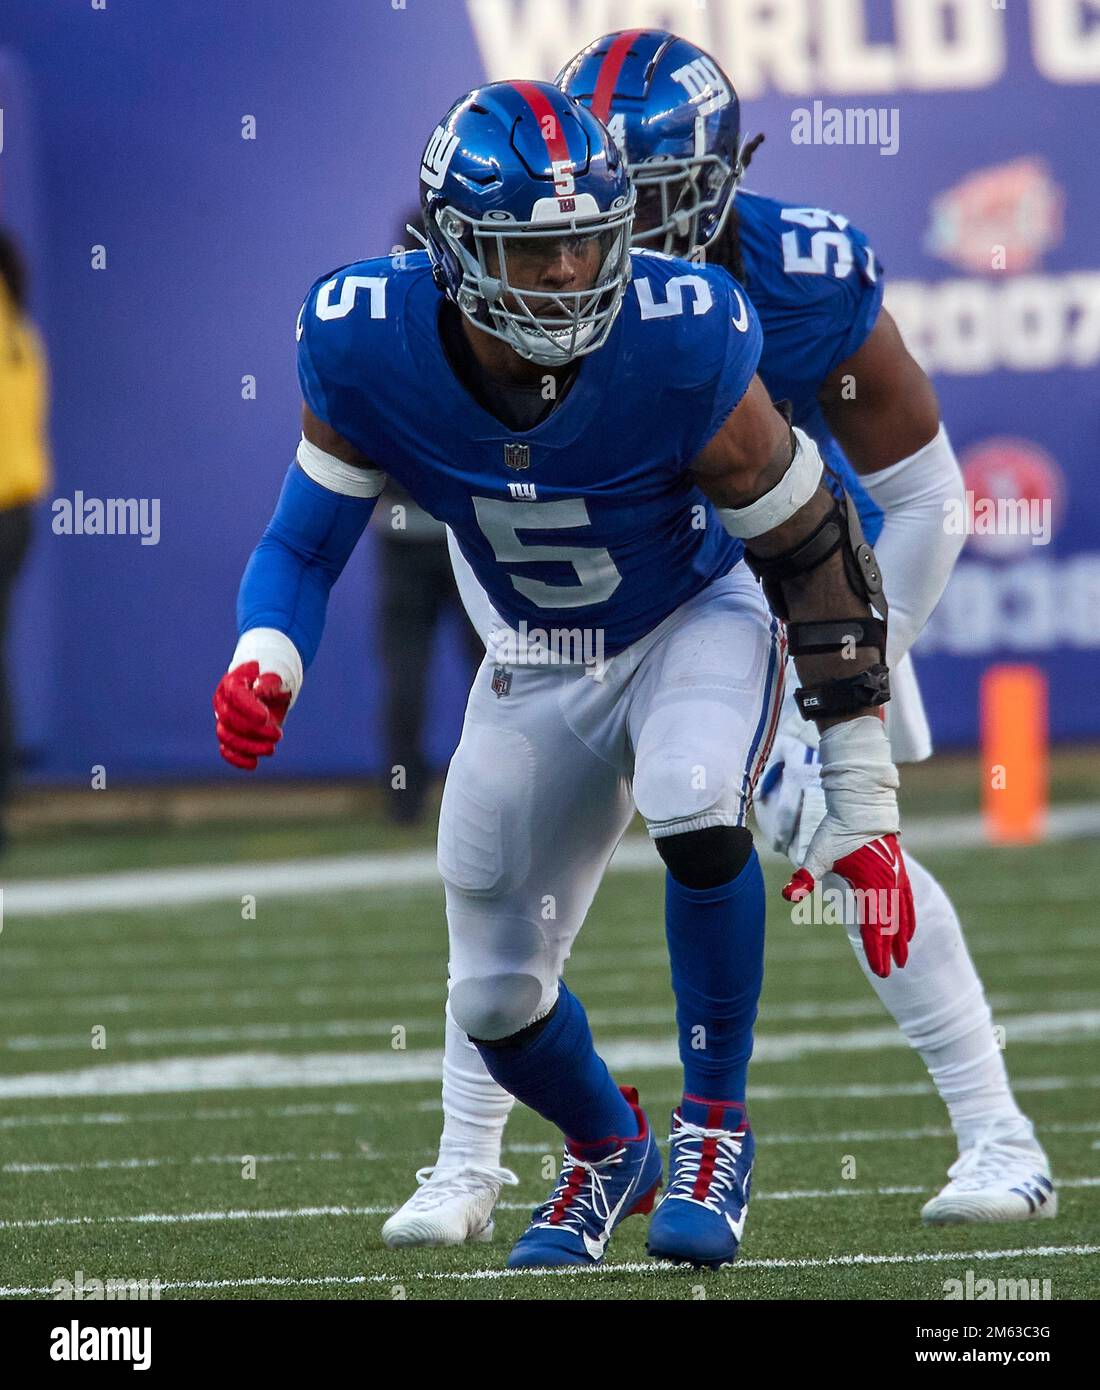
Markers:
{"x": 300, "y": 556}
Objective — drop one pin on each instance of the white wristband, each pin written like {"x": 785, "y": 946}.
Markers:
{"x": 275, "y": 652}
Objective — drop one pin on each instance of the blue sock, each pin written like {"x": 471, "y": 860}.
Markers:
{"x": 716, "y": 950}
{"x": 559, "y": 1074}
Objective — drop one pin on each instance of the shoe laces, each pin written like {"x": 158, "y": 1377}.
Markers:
{"x": 688, "y": 1149}
{"x": 984, "y": 1161}
{"x": 581, "y": 1192}
{"x": 440, "y": 1185}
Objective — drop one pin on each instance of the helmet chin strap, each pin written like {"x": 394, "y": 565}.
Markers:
{"x": 418, "y": 235}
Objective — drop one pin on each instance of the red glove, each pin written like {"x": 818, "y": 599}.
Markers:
{"x": 250, "y": 709}
{"x": 885, "y": 899}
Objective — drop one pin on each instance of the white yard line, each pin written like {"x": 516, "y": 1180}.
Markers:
{"x": 107, "y": 1165}
{"x": 225, "y": 1033}
{"x": 759, "y": 1094}
{"x": 232, "y": 1214}
{"x": 846, "y": 1136}
{"x": 654, "y": 1267}
{"x": 244, "y": 1112}
{"x": 249, "y": 1070}
{"x": 1048, "y": 1026}
{"x": 370, "y": 1155}
{"x": 164, "y": 986}
{"x": 142, "y": 890}
{"x": 239, "y": 1001}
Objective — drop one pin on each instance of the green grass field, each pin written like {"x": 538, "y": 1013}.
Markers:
{"x": 228, "y": 1038}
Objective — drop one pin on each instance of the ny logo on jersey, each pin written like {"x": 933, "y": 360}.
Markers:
{"x": 704, "y": 84}
{"x": 523, "y": 492}
{"x": 517, "y": 456}
{"x": 437, "y": 157}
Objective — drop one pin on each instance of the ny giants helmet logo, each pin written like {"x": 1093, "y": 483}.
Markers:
{"x": 704, "y": 84}
{"x": 438, "y": 156}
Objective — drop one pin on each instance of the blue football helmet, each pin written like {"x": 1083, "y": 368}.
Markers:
{"x": 677, "y": 119}
{"x": 516, "y": 176}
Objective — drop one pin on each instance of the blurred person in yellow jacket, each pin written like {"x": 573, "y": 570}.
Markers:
{"x": 24, "y": 464}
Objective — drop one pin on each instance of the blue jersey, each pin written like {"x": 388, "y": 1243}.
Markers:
{"x": 590, "y": 519}
{"x": 817, "y": 288}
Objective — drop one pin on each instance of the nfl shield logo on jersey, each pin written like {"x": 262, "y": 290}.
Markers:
{"x": 501, "y": 683}
{"x": 517, "y": 455}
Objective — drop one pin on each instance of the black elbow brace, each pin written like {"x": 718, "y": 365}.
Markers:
{"x": 839, "y": 530}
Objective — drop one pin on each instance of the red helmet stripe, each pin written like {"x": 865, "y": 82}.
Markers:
{"x": 610, "y": 68}
{"x": 549, "y": 123}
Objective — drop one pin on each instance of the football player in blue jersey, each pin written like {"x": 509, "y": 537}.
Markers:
{"x": 588, "y": 422}
{"x": 833, "y": 351}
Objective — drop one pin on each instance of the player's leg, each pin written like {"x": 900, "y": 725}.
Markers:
{"x": 534, "y": 805}
{"x": 456, "y": 1196}
{"x": 701, "y": 720}
{"x": 939, "y": 1003}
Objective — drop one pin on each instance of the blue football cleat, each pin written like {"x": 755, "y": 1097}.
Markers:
{"x": 701, "y": 1218}
{"x": 599, "y": 1186}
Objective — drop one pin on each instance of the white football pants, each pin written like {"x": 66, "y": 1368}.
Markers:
{"x": 551, "y": 765}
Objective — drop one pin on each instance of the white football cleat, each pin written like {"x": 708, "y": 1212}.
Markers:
{"x": 1003, "y": 1176}
{"x": 451, "y": 1206}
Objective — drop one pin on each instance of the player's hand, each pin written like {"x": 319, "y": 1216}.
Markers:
{"x": 858, "y": 840}
{"x": 250, "y": 710}
{"x": 884, "y": 899}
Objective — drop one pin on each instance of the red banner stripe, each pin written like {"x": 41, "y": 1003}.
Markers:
{"x": 610, "y": 68}
{"x": 549, "y": 121}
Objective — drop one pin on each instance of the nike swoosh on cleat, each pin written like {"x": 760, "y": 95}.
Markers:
{"x": 738, "y": 1226}
{"x": 597, "y": 1246}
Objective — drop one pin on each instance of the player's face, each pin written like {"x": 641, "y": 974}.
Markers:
{"x": 552, "y": 291}
{"x": 652, "y": 208}
{"x": 648, "y": 212}
{"x": 551, "y": 264}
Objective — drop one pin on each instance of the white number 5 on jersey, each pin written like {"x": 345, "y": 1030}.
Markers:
{"x": 593, "y": 565}
{"x": 702, "y": 299}
{"x": 349, "y": 288}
